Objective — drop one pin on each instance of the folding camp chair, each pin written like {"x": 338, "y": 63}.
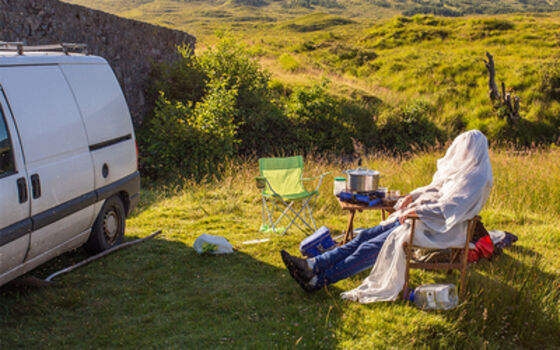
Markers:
{"x": 282, "y": 183}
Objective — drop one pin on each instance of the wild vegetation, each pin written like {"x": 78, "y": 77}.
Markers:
{"x": 162, "y": 294}
{"x": 322, "y": 77}
{"x": 367, "y": 83}
{"x": 407, "y": 83}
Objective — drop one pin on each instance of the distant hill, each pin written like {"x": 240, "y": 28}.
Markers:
{"x": 405, "y": 7}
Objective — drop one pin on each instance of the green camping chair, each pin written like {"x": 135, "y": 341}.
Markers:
{"x": 282, "y": 183}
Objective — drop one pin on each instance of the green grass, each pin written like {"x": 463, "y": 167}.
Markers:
{"x": 161, "y": 294}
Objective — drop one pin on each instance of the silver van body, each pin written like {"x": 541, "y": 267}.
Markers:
{"x": 68, "y": 158}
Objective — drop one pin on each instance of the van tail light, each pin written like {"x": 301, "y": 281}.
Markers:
{"x": 137, "y": 157}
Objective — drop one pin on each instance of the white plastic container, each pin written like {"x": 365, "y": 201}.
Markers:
{"x": 435, "y": 296}
{"x": 339, "y": 185}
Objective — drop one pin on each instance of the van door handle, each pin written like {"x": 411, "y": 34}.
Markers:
{"x": 22, "y": 189}
{"x": 35, "y": 186}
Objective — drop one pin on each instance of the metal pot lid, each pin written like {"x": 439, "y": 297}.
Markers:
{"x": 361, "y": 171}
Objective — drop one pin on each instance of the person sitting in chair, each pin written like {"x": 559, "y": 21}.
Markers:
{"x": 458, "y": 191}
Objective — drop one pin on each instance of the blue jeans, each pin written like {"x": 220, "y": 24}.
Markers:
{"x": 355, "y": 256}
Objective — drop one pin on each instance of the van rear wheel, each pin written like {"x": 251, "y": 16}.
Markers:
{"x": 108, "y": 229}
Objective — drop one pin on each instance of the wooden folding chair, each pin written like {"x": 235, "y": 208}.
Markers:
{"x": 458, "y": 259}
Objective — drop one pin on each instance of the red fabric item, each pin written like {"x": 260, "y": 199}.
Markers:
{"x": 473, "y": 256}
{"x": 483, "y": 249}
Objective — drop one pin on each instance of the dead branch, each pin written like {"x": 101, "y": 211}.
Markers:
{"x": 503, "y": 100}
{"x": 493, "y": 88}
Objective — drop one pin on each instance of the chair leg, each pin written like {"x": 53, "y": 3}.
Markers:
{"x": 408, "y": 251}
{"x": 406, "y": 271}
{"x": 272, "y": 215}
{"x": 465, "y": 258}
{"x": 310, "y": 211}
{"x": 284, "y": 213}
{"x": 268, "y": 214}
{"x": 297, "y": 215}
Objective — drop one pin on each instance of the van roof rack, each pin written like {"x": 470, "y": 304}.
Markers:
{"x": 66, "y": 48}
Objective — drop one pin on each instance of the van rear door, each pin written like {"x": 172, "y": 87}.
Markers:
{"x": 107, "y": 120}
{"x": 56, "y": 152}
{"x": 15, "y": 224}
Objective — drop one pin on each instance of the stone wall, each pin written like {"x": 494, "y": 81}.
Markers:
{"x": 129, "y": 46}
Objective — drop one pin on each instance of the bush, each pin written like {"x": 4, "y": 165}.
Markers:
{"x": 410, "y": 125}
{"x": 549, "y": 83}
{"x": 289, "y": 62}
{"x": 257, "y": 118}
{"x": 433, "y": 10}
{"x": 323, "y": 123}
{"x": 183, "y": 80}
{"x": 315, "y": 116}
{"x": 196, "y": 141}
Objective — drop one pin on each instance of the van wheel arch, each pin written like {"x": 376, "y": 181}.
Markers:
{"x": 125, "y": 198}
{"x": 109, "y": 226}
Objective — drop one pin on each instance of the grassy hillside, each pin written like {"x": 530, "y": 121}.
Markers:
{"x": 394, "y": 61}
{"x": 161, "y": 294}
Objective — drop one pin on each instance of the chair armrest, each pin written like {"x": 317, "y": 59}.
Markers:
{"x": 261, "y": 181}
{"x": 317, "y": 177}
{"x": 413, "y": 216}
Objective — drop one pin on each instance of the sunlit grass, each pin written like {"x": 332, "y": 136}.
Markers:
{"x": 162, "y": 294}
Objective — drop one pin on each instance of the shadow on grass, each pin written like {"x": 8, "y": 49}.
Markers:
{"x": 509, "y": 303}
{"x": 163, "y": 294}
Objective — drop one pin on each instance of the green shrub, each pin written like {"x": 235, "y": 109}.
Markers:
{"x": 193, "y": 140}
{"x": 289, "y": 62}
{"x": 549, "y": 83}
{"x": 434, "y": 10}
{"x": 310, "y": 3}
{"x": 409, "y": 125}
{"x": 257, "y": 118}
{"x": 189, "y": 92}
{"x": 316, "y": 22}
{"x": 183, "y": 80}
{"x": 381, "y": 3}
{"x": 318, "y": 120}
{"x": 492, "y": 24}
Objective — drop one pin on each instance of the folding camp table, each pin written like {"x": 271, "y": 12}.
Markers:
{"x": 352, "y": 208}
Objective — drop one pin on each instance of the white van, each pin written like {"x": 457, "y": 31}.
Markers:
{"x": 68, "y": 158}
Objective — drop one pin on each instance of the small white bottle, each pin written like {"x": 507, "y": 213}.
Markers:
{"x": 435, "y": 296}
{"x": 339, "y": 185}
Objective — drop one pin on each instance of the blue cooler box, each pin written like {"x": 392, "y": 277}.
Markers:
{"x": 319, "y": 242}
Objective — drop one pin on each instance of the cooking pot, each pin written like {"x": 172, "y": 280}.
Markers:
{"x": 362, "y": 180}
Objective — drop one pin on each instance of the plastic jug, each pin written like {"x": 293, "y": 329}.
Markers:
{"x": 435, "y": 296}
{"x": 339, "y": 185}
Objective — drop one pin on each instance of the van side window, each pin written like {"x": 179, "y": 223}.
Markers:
{"x": 6, "y": 156}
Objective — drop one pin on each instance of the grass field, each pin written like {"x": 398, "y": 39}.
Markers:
{"x": 162, "y": 294}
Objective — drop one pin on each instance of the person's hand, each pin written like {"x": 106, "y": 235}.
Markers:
{"x": 406, "y": 214}
{"x": 405, "y": 202}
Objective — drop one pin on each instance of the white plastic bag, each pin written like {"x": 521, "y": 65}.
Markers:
{"x": 222, "y": 246}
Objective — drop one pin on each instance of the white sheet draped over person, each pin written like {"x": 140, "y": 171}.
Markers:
{"x": 458, "y": 191}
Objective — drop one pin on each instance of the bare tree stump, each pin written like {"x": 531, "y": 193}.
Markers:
{"x": 493, "y": 88}
{"x": 503, "y": 100}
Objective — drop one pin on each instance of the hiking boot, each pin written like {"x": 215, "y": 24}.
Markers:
{"x": 298, "y": 264}
{"x": 296, "y": 274}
